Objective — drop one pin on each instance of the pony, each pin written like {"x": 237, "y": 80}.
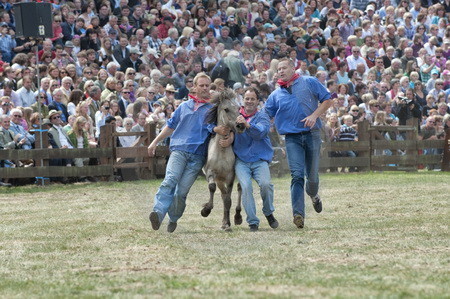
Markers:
{"x": 219, "y": 167}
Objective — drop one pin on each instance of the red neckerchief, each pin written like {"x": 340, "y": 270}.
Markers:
{"x": 197, "y": 100}
{"x": 245, "y": 115}
{"x": 287, "y": 83}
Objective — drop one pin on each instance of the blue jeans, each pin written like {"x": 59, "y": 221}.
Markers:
{"x": 303, "y": 151}
{"x": 260, "y": 172}
{"x": 181, "y": 172}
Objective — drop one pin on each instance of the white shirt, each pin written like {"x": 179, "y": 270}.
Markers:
{"x": 62, "y": 137}
{"x": 26, "y": 97}
{"x": 352, "y": 62}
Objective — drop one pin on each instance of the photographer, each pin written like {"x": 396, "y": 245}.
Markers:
{"x": 408, "y": 108}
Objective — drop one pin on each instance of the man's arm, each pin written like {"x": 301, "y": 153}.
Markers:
{"x": 310, "y": 120}
{"x": 166, "y": 132}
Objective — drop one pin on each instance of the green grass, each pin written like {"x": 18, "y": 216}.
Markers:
{"x": 380, "y": 235}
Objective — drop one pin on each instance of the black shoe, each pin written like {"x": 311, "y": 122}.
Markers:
{"x": 317, "y": 203}
{"x": 154, "y": 220}
{"x": 171, "y": 227}
{"x": 272, "y": 221}
{"x": 253, "y": 227}
{"x": 299, "y": 221}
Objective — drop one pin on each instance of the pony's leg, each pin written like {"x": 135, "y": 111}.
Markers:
{"x": 226, "y": 198}
{"x": 207, "y": 207}
{"x": 237, "y": 216}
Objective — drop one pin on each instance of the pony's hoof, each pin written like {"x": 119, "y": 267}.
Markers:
{"x": 226, "y": 228}
{"x": 237, "y": 219}
{"x": 205, "y": 212}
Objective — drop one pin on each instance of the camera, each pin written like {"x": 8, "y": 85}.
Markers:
{"x": 405, "y": 100}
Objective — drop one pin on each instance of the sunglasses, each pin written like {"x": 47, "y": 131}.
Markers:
{"x": 107, "y": 108}
{"x": 88, "y": 73}
{"x": 355, "y": 110}
{"x": 132, "y": 73}
{"x": 42, "y": 97}
{"x": 56, "y": 117}
{"x": 151, "y": 92}
{"x": 6, "y": 104}
{"x": 18, "y": 116}
{"x": 126, "y": 92}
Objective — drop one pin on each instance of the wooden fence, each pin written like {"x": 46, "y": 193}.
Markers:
{"x": 375, "y": 153}
{"x": 133, "y": 162}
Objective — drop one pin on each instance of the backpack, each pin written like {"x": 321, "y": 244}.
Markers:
{"x": 221, "y": 71}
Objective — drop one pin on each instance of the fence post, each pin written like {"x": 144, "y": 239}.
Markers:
{"x": 107, "y": 141}
{"x": 364, "y": 135}
{"x": 151, "y": 135}
{"x": 446, "y": 159}
{"x": 37, "y": 144}
{"x": 412, "y": 135}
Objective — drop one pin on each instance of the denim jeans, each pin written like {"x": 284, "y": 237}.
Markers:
{"x": 260, "y": 172}
{"x": 303, "y": 151}
{"x": 181, "y": 171}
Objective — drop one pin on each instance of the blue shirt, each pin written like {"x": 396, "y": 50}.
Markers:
{"x": 290, "y": 109}
{"x": 191, "y": 132}
{"x": 254, "y": 143}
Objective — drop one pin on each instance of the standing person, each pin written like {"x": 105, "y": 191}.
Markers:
{"x": 189, "y": 136}
{"x": 254, "y": 153}
{"x": 295, "y": 107}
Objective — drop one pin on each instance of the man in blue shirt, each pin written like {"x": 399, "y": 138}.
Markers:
{"x": 295, "y": 107}
{"x": 189, "y": 135}
{"x": 253, "y": 155}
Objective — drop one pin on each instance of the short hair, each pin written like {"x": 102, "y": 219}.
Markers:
{"x": 201, "y": 75}
{"x": 290, "y": 61}
{"x": 94, "y": 90}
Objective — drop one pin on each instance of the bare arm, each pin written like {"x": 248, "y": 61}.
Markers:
{"x": 166, "y": 132}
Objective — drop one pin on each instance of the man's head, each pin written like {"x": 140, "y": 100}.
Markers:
{"x": 95, "y": 93}
{"x": 27, "y": 82}
{"x": 202, "y": 83}
{"x": 5, "y": 121}
{"x": 286, "y": 69}
{"x": 251, "y": 100}
{"x": 141, "y": 119}
{"x": 355, "y": 52}
{"x": 55, "y": 117}
{"x": 16, "y": 116}
{"x": 58, "y": 95}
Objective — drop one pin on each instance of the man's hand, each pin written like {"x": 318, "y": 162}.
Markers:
{"x": 152, "y": 150}
{"x": 310, "y": 121}
{"x": 227, "y": 141}
{"x": 241, "y": 120}
{"x": 222, "y": 130}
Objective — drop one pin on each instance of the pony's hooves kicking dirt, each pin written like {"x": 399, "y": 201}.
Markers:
{"x": 237, "y": 219}
{"x": 205, "y": 212}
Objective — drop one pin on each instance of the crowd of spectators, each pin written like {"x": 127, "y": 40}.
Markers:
{"x": 134, "y": 61}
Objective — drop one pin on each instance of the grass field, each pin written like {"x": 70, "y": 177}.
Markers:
{"x": 380, "y": 235}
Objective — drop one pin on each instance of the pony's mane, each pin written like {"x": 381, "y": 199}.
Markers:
{"x": 227, "y": 94}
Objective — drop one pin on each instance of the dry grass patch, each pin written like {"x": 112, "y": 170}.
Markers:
{"x": 383, "y": 234}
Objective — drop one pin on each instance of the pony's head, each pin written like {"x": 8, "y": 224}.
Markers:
{"x": 225, "y": 111}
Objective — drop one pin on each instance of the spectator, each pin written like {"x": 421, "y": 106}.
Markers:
{"x": 26, "y": 139}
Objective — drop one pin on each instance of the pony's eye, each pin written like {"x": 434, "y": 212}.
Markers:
{"x": 226, "y": 110}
